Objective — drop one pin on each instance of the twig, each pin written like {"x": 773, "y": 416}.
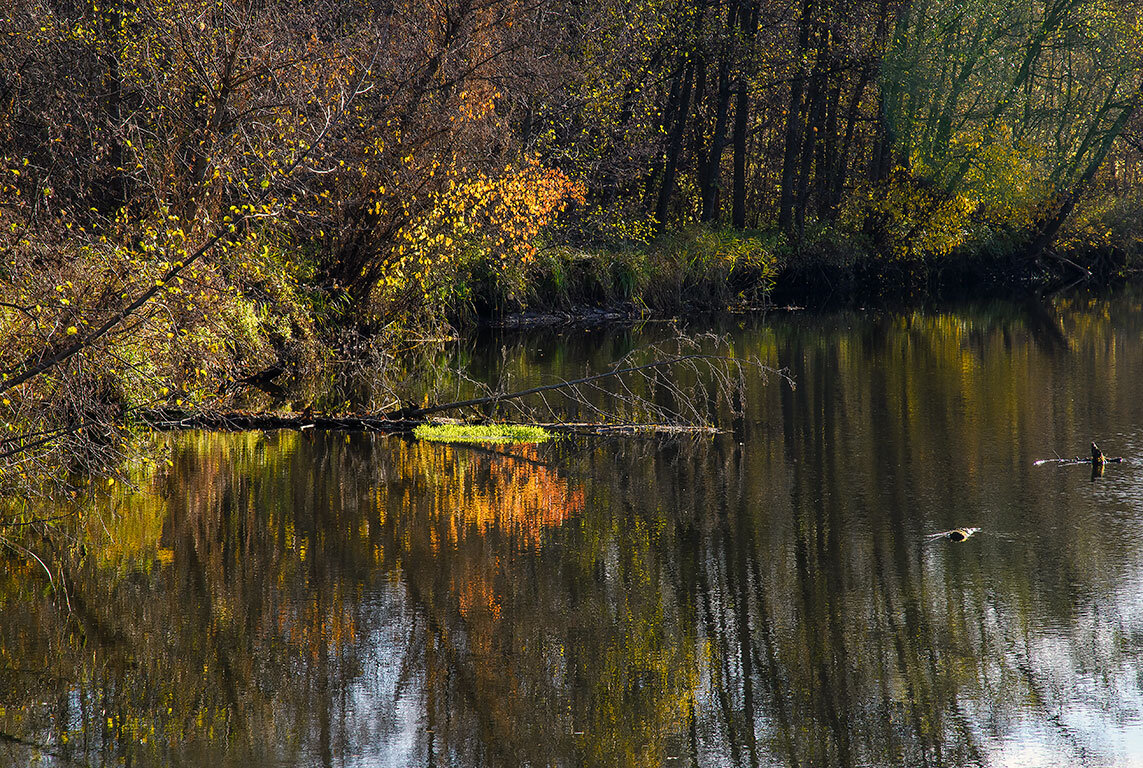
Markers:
{"x": 407, "y": 413}
{"x": 24, "y": 551}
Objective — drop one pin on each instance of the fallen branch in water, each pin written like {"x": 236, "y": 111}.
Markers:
{"x": 173, "y": 420}
{"x": 590, "y": 428}
{"x": 1096, "y": 458}
{"x": 496, "y": 399}
{"x": 673, "y": 394}
{"x": 231, "y": 421}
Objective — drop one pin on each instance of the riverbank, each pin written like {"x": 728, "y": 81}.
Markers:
{"x": 714, "y": 269}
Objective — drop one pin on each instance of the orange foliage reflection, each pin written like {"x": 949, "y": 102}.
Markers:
{"x": 509, "y": 492}
{"x": 484, "y": 507}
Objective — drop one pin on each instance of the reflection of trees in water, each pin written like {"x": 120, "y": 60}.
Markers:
{"x": 854, "y": 643}
{"x": 265, "y": 633}
{"x": 242, "y": 640}
{"x": 295, "y": 598}
{"x": 548, "y": 628}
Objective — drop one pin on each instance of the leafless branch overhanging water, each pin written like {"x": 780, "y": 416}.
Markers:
{"x": 681, "y": 382}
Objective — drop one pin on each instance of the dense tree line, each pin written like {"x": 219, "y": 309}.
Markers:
{"x": 913, "y": 123}
{"x": 382, "y": 137}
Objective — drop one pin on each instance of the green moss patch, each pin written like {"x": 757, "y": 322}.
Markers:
{"x": 481, "y": 433}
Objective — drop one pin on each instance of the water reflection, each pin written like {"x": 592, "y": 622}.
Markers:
{"x": 767, "y": 597}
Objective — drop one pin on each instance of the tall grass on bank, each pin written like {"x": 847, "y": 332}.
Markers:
{"x": 698, "y": 268}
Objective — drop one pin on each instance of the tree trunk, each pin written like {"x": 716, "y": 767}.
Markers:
{"x": 741, "y": 121}
{"x": 841, "y": 164}
{"x": 713, "y": 169}
{"x": 741, "y": 115}
{"x": 826, "y": 165}
{"x": 1047, "y": 227}
{"x": 795, "y": 121}
{"x": 675, "y": 148}
{"x": 815, "y": 106}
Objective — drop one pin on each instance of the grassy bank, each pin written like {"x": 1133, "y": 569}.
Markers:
{"x": 696, "y": 268}
{"x": 703, "y": 269}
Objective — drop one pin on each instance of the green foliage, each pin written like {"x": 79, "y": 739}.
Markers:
{"x": 611, "y": 227}
{"x": 1105, "y": 235}
{"x": 216, "y": 321}
{"x": 908, "y": 219}
{"x": 481, "y": 433}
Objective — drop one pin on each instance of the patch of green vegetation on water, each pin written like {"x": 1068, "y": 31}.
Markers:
{"x": 481, "y": 433}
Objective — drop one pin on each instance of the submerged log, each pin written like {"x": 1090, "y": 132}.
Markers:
{"x": 687, "y": 416}
{"x": 232, "y": 421}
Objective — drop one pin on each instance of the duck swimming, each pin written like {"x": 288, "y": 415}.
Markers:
{"x": 956, "y": 534}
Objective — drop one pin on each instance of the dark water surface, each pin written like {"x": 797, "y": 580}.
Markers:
{"x": 766, "y": 597}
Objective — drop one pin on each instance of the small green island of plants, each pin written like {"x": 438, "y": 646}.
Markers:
{"x": 481, "y": 433}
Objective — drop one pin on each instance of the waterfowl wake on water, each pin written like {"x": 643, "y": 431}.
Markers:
{"x": 954, "y": 534}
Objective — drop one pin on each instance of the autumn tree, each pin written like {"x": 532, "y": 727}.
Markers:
{"x": 187, "y": 187}
{"x": 1006, "y": 111}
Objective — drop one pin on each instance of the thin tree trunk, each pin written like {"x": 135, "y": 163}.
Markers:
{"x": 815, "y": 102}
{"x": 826, "y": 166}
{"x": 889, "y": 98}
{"x": 748, "y": 28}
{"x": 741, "y": 115}
{"x": 674, "y": 149}
{"x": 1048, "y": 227}
{"x": 698, "y": 143}
{"x": 713, "y": 173}
{"x": 795, "y": 121}
{"x": 841, "y": 166}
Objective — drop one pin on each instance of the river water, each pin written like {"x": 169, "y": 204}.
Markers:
{"x": 770, "y": 596}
